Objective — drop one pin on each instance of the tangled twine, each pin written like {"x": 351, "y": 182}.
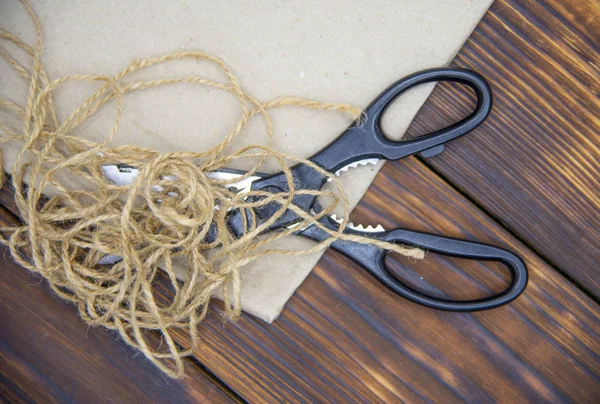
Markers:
{"x": 64, "y": 236}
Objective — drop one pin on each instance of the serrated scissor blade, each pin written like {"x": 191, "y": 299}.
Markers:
{"x": 359, "y": 227}
{"x": 121, "y": 174}
{"x": 355, "y": 164}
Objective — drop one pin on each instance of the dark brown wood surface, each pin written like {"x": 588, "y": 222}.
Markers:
{"x": 343, "y": 337}
{"x": 535, "y": 164}
{"x": 527, "y": 180}
{"x": 47, "y": 354}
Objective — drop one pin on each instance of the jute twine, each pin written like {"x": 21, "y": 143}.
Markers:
{"x": 64, "y": 236}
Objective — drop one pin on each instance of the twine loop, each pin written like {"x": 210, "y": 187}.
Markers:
{"x": 162, "y": 217}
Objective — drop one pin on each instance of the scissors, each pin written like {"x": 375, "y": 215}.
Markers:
{"x": 364, "y": 143}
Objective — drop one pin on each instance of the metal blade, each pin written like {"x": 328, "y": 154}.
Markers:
{"x": 355, "y": 164}
{"x": 121, "y": 174}
{"x": 242, "y": 186}
{"x": 369, "y": 229}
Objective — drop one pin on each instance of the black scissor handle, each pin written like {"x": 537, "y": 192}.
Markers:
{"x": 372, "y": 259}
{"x": 365, "y": 138}
{"x": 399, "y": 149}
{"x": 456, "y": 248}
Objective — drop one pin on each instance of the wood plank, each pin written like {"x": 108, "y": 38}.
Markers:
{"x": 535, "y": 163}
{"x": 47, "y": 354}
{"x": 343, "y": 337}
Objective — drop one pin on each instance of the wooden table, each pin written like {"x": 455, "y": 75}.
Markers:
{"x": 528, "y": 179}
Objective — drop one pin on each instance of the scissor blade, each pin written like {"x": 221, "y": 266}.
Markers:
{"x": 121, "y": 174}
{"x": 359, "y": 227}
{"x": 242, "y": 186}
{"x": 355, "y": 164}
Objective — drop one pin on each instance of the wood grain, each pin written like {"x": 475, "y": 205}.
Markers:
{"x": 344, "y": 337}
{"x": 535, "y": 163}
{"x": 47, "y": 354}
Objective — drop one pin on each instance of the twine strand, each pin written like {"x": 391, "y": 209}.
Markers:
{"x": 64, "y": 236}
